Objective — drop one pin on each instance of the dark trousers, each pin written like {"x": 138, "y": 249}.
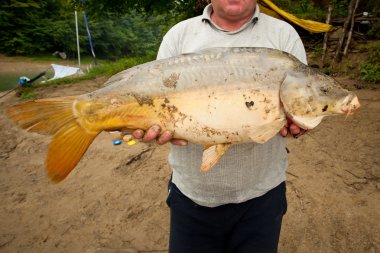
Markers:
{"x": 250, "y": 227}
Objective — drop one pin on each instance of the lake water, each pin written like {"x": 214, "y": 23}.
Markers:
{"x": 10, "y": 80}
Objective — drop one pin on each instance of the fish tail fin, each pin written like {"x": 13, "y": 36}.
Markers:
{"x": 55, "y": 117}
{"x": 66, "y": 150}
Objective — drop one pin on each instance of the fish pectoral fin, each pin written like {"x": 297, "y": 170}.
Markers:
{"x": 266, "y": 132}
{"x": 212, "y": 154}
{"x": 307, "y": 123}
{"x": 66, "y": 149}
{"x": 207, "y": 146}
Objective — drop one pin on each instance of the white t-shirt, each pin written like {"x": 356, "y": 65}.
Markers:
{"x": 247, "y": 170}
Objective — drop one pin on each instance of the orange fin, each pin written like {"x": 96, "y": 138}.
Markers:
{"x": 55, "y": 117}
{"x": 212, "y": 154}
{"x": 45, "y": 116}
{"x": 66, "y": 150}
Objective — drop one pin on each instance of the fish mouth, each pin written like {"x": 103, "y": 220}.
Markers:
{"x": 350, "y": 104}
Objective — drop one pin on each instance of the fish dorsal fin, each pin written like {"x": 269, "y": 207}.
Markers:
{"x": 212, "y": 154}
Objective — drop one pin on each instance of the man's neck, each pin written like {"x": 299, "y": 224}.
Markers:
{"x": 229, "y": 24}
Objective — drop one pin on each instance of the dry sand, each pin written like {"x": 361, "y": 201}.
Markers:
{"x": 115, "y": 198}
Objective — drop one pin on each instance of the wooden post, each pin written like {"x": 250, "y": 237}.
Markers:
{"x": 76, "y": 31}
{"x": 351, "y": 28}
{"x": 326, "y": 37}
{"x": 338, "y": 53}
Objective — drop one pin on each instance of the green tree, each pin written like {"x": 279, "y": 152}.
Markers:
{"x": 25, "y": 25}
{"x": 98, "y": 8}
{"x": 31, "y": 27}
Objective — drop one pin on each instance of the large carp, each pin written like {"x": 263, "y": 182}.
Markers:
{"x": 215, "y": 97}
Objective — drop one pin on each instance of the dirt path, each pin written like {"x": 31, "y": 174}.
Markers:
{"x": 115, "y": 197}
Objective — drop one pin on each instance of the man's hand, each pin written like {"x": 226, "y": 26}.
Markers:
{"x": 292, "y": 129}
{"x": 153, "y": 133}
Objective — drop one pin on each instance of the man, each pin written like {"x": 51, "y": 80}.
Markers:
{"x": 239, "y": 204}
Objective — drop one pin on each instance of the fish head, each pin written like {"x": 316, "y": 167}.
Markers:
{"x": 308, "y": 95}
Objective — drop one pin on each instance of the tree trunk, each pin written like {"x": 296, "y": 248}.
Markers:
{"x": 351, "y": 29}
{"x": 338, "y": 53}
{"x": 326, "y": 37}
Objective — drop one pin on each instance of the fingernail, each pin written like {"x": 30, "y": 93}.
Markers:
{"x": 183, "y": 143}
{"x": 179, "y": 142}
{"x": 138, "y": 134}
{"x": 156, "y": 128}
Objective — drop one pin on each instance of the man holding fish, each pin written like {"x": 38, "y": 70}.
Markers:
{"x": 239, "y": 204}
{"x": 226, "y": 81}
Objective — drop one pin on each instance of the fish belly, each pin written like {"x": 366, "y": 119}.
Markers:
{"x": 222, "y": 116}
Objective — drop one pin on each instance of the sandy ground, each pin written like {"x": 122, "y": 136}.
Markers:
{"x": 115, "y": 198}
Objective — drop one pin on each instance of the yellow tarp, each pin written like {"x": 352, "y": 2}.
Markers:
{"x": 271, "y": 9}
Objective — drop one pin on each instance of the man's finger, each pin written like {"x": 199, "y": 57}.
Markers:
{"x": 284, "y": 131}
{"x": 165, "y": 137}
{"x": 138, "y": 134}
{"x": 152, "y": 133}
{"x": 178, "y": 142}
{"x": 302, "y": 132}
{"x": 294, "y": 129}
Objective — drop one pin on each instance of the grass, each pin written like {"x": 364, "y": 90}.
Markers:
{"x": 372, "y": 46}
{"x": 370, "y": 70}
{"x": 28, "y": 94}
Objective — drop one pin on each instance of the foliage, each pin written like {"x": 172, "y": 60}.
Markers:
{"x": 39, "y": 27}
{"x": 374, "y": 31}
{"x": 370, "y": 71}
{"x": 317, "y": 10}
{"x": 99, "y": 8}
{"x": 318, "y": 51}
{"x": 303, "y": 9}
{"x": 24, "y": 25}
{"x": 120, "y": 28}
{"x": 340, "y": 8}
{"x": 28, "y": 94}
{"x": 132, "y": 34}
